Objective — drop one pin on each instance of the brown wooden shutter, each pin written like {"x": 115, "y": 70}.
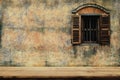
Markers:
{"x": 105, "y": 30}
{"x": 76, "y": 29}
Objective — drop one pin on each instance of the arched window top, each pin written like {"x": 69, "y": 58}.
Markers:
{"x": 91, "y": 6}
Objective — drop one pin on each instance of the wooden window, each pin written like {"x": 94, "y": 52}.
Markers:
{"x": 91, "y": 29}
{"x": 105, "y": 30}
{"x": 76, "y": 31}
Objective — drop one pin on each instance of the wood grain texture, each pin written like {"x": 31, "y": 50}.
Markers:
{"x": 56, "y": 72}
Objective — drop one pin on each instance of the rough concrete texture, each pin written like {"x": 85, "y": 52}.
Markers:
{"x": 37, "y": 33}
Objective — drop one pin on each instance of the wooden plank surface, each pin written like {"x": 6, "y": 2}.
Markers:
{"x": 56, "y": 72}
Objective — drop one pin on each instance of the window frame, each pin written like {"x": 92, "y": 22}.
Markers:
{"x": 99, "y": 32}
{"x": 94, "y": 15}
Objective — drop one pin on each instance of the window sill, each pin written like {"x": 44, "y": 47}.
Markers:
{"x": 90, "y": 44}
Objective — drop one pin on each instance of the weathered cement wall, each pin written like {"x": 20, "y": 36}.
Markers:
{"x": 37, "y": 33}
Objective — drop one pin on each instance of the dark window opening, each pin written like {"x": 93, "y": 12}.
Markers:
{"x": 90, "y": 28}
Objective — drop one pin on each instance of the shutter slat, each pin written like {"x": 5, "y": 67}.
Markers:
{"x": 76, "y": 33}
{"x": 104, "y": 30}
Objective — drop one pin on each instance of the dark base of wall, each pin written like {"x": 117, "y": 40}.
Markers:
{"x": 80, "y": 78}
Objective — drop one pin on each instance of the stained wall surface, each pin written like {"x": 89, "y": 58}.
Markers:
{"x": 38, "y": 33}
